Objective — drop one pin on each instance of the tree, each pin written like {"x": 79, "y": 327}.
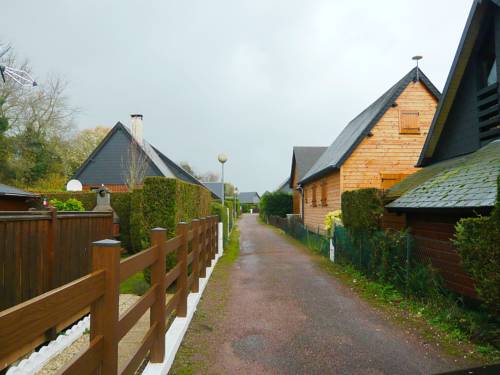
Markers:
{"x": 187, "y": 167}
{"x": 210, "y": 177}
{"x": 81, "y": 146}
{"x": 135, "y": 166}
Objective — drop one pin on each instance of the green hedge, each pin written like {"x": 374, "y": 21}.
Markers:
{"x": 138, "y": 233}
{"x": 219, "y": 210}
{"x": 276, "y": 204}
{"x": 362, "y": 209}
{"x": 121, "y": 204}
{"x": 245, "y": 207}
{"x": 478, "y": 242}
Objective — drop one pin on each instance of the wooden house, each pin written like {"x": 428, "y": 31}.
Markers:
{"x": 376, "y": 149}
{"x": 303, "y": 158}
{"x": 122, "y": 156}
{"x": 461, "y": 156}
{"x": 14, "y": 199}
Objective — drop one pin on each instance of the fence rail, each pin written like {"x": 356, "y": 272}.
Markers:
{"x": 41, "y": 250}
{"x": 23, "y": 324}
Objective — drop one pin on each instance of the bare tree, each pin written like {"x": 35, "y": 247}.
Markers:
{"x": 135, "y": 165}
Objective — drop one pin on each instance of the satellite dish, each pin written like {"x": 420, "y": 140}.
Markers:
{"x": 74, "y": 185}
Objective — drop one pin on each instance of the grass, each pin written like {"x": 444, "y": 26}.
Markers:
{"x": 443, "y": 320}
{"x": 136, "y": 284}
{"x": 197, "y": 348}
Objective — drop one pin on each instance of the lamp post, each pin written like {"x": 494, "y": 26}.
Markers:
{"x": 222, "y": 159}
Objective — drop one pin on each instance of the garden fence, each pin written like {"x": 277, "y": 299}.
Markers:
{"x": 23, "y": 327}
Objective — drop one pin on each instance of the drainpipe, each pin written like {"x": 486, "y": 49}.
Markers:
{"x": 301, "y": 191}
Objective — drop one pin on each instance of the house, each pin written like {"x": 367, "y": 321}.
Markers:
{"x": 217, "y": 189}
{"x": 461, "y": 156}
{"x": 14, "y": 199}
{"x": 284, "y": 187}
{"x": 303, "y": 158}
{"x": 124, "y": 158}
{"x": 376, "y": 149}
{"x": 250, "y": 197}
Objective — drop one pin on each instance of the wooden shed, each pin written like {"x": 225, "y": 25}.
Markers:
{"x": 14, "y": 199}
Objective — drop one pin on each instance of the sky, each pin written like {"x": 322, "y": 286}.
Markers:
{"x": 250, "y": 79}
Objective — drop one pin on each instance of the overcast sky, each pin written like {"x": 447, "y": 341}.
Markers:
{"x": 247, "y": 78}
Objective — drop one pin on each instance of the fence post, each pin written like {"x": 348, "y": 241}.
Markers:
{"x": 157, "y": 311}
{"x": 203, "y": 250}
{"x": 104, "y": 311}
{"x": 220, "y": 242}
{"x": 182, "y": 230}
{"x": 195, "y": 245}
{"x": 49, "y": 279}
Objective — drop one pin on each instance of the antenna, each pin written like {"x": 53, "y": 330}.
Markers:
{"x": 19, "y": 76}
{"x": 417, "y": 58}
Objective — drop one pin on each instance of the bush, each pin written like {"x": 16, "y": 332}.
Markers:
{"x": 88, "y": 199}
{"x": 138, "y": 234}
{"x": 477, "y": 240}
{"x": 276, "y": 204}
{"x": 362, "y": 209}
{"x": 71, "y": 204}
{"x": 221, "y": 211}
{"x": 246, "y": 207}
{"x": 121, "y": 204}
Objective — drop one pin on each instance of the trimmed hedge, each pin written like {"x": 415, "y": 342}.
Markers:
{"x": 276, "y": 204}
{"x": 362, "y": 209}
{"x": 138, "y": 233}
{"x": 219, "y": 210}
{"x": 478, "y": 242}
{"x": 121, "y": 204}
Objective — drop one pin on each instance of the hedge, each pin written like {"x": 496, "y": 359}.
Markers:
{"x": 121, "y": 204}
{"x": 138, "y": 233}
{"x": 477, "y": 240}
{"x": 276, "y": 204}
{"x": 221, "y": 211}
{"x": 362, "y": 209}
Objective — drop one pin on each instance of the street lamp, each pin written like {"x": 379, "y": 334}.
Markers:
{"x": 222, "y": 159}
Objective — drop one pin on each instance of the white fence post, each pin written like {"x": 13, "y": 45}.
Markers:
{"x": 221, "y": 238}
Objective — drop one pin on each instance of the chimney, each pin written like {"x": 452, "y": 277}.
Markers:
{"x": 137, "y": 127}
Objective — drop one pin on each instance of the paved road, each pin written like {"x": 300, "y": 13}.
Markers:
{"x": 287, "y": 316}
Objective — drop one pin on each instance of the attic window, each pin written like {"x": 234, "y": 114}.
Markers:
{"x": 388, "y": 180}
{"x": 409, "y": 122}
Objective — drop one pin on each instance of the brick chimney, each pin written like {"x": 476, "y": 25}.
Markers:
{"x": 137, "y": 129}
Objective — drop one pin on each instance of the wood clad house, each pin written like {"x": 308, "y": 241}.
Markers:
{"x": 122, "y": 153}
{"x": 376, "y": 149}
{"x": 303, "y": 158}
{"x": 461, "y": 156}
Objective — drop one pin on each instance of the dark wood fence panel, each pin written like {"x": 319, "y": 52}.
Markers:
{"x": 41, "y": 250}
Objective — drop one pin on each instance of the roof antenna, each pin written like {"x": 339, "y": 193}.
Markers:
{"x": 19, "y": 76}
{"x": 417, "y": 58}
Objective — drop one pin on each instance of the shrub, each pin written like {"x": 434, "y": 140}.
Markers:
{"x": 88, "y": 199}
{"x": 276, "y": 204}
{"x": 221, "y": 211}
{"x": 245, "y": 207}
{"x": 121, "y": 204}
{"x": 333, "y": 218}
{"x": 362, "y": 209}
{"x": 138, "y": 234}
{"x": 477, "y": 240}
{"x": 71, "y": 204}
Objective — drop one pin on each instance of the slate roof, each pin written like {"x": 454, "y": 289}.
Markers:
{"x": 358, "y": 128}
{"x": 15, "y": 192}
{"x": 304, "y": 158}
{"x": 249, "y": 197}
{"x": 217, "y": 188}
{"x": 464, "y": 51}
{"x": 468, "y": 181}
{"x": 284, "y": 187}
{"x": 111, "y": 171}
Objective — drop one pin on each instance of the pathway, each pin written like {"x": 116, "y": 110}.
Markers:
{"x": 284, "y": 315}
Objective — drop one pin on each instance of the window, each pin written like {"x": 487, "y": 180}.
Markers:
{"x": 314, "y": 201}
{"x": 306, "y": 195}
{"x": 390, "y": 179}
{"x": 324, "y": 194}
{"x": 409, "y": 122}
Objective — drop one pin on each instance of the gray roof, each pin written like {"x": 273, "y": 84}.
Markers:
{"x": 360, "y": 126}
{"x": 303, "y": 159}
{"x": 464, "y": 51}
{"x": 284, "y": 187}
{"x": 15, "y": 192}
{"x": 105, "y": 164}
{"x": 217, "y": 188}
{"x": 249, "y": 197}
{"x": 468, "y": 181}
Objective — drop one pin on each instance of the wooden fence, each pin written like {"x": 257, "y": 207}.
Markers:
{"x": 195, "y": 246}
{"x": 41, "y": 250}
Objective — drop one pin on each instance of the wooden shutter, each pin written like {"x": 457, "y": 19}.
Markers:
{"x": 314, "y": 201}
{"x": 409, "y": 122}
{"x": 324, "y": 194}
{"x": 390, "y": 179}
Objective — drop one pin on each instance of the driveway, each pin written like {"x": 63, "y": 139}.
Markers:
{"x": 284, "y": 315}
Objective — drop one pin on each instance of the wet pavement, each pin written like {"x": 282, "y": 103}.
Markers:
{"x": 285, "y": 315}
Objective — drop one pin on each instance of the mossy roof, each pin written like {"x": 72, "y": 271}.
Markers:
{"x": 468, "y": 181}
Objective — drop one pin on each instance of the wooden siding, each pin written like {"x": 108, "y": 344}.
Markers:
{"x": 297, "y": 199}
{"x": 389, "y": 151}
{"x": 315, "y": 216}
{"x": 432, "y": 234}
